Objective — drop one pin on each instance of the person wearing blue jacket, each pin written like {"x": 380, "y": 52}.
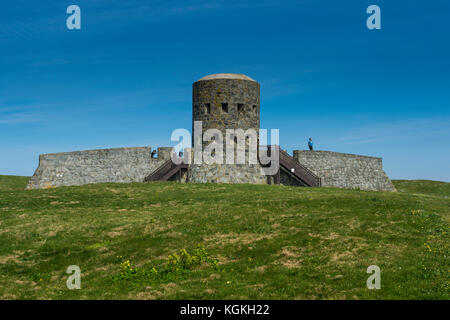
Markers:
{"x": 310, "y": 144}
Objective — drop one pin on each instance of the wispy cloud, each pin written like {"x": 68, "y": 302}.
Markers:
{"x": 50, "y": 17}
{"x": 394, "y": 131}
{"x": 22, "y": 113}
{"x": 18, "y": 118}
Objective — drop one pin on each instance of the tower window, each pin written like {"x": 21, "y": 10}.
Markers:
{"x": 207, "y": 108}
{"x": 240, "y": 107}
{"x": 255, "y": 108}
{"x": 225, "y": 107}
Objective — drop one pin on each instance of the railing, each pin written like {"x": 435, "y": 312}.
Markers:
{"x": 299, "y": 170}
{"x": 168, "y": 169}
{"x": 165, "y": 171}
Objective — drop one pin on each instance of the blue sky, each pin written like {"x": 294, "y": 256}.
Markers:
{"x": 125, "y": 78}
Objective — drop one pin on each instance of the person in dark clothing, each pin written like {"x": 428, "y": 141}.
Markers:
{"x": 153, "y": 153}
{"x": 310, "y": 144}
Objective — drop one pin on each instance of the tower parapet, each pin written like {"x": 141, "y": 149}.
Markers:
{"x": 227, "y": 102}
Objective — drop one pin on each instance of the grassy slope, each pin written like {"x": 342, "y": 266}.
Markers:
{"x": 272, "y": 242}
{"x": 433, "y": 188}
{"x": 12, "y": 183}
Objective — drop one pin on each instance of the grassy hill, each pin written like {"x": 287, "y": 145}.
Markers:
{"x": 427, "y": 187}
{"x": 13, "y": 183}
{"x": 256, "y": 242}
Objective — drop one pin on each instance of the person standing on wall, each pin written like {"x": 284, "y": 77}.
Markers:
{"x": 310, "y": 144}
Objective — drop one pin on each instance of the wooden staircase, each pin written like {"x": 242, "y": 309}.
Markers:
{"x": 307, "y": 178}
{"x": 166, "y": 171}
{"x": 299, "y": 171}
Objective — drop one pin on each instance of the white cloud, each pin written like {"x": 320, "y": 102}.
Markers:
{"x": 17, "y": 118}
{"x": 394, "y": 131}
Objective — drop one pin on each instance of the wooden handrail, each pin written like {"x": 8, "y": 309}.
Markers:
{"x": 299, "y": 170}
{"x": 165, "y": 168}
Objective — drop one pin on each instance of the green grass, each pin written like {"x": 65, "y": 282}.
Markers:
{"x": 13, "y": 183}
{"x": 261, "y": 242}
{"x": 427, "y": 187}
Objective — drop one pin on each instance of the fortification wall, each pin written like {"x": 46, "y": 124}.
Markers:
{"x": 345, "y": 170}
{"x": 226, "y": 173}
{"x": 287, "y": 179}
{"x": 95, "y": 166}
{"x": 227, "y": 101}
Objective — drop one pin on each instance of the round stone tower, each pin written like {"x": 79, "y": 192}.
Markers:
{"x": 226, "y": 101}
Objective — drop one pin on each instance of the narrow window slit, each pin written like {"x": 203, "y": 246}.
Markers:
{"x": 225, "y": 107}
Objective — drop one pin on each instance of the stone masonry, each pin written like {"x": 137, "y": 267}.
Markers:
{"x": 345, "y": 170}
{"x": 221, "y": 102}
{"x": 226, "y": 101}
{"x": 96, "y": 166}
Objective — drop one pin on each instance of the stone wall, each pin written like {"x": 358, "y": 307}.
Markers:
{"x": 95, "y": 166}
{"x": 223, "y": 173}
{"x": 288, "y": 179}
{"x": 227, "y": 101}
{"x": 344, "y": 170}
{"x": 226, "y": 104}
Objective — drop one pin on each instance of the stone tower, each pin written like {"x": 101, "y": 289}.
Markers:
{"x": 226, "y": 101}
